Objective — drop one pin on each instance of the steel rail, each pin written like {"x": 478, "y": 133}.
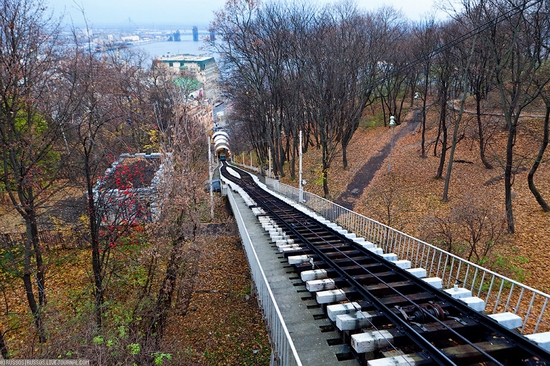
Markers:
{"x": 279, "y": 211}
{"x": 434, "y": 353}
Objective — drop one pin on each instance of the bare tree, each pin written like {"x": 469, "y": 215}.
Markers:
{"x": 294, "y": 67}
{"x": 133, "y": 97}
{"x": 466, "y": 59}
{"x": 323, "y": 90}
{"x": 445, "y": 74}
{"x": 472, "y": 230}
{"x": 540, "y": 23}
{"x": 441, "y": 231}
{"x": 246, "y": 53}
{"x": 480, "y": 73}
{"x": 180, "y": 208}
{"x": 91, "y": 121}
{"x": 388, "y": 203}
{"x": 480, "y": 229}
{"x": 423, "y": 49}
{"x": 393, "y": 88}
{"x": 95, "y": 143}
{"x": 539, "y": 158}
{"x": 29, "y": 51}
{"x": 365, "y": 39}
{"x": 337, "y": 86}
{"x": 516, "y": 42}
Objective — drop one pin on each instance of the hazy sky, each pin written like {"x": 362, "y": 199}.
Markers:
{"x": 189, "y": 12}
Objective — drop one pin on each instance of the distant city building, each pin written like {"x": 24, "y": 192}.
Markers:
{"x": 195, "y": 34}
{"x": 129, "y": 38}
{"x": 212, "y": 35}
{"x": 175, "y": 37}
{"x": 201, "y": 68}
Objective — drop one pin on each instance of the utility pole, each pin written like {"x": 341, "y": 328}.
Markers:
{"x": 269, "y": 165}
{"x": 301, "y": 185}
{"x": 210, "y": 177}
{"x": 392, "y": 126}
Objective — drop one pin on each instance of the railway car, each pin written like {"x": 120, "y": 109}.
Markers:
{"x": 221, "y": 145}
{"x": 223, "y": 154}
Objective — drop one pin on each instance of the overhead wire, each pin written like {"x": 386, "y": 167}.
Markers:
{"x": 479, "y": 29}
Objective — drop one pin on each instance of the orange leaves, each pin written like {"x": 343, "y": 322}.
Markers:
{"x": 224, "y": 325}
{"x": 410, "y": 194}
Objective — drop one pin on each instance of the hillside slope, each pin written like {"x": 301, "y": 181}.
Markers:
{"x": 409, "y": 197}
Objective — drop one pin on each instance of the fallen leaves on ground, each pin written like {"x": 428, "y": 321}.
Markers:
{"x": 418, "y": 194}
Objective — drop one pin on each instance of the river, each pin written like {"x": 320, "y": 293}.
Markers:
{"x": 164, "y": 48}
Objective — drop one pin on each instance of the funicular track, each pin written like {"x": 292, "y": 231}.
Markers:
{"x": 402, "y": 314}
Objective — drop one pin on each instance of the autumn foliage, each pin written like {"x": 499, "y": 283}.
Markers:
{"x": 409, "y": 198}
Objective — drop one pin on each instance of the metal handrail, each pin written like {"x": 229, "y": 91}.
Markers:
{"x": 500, "y": 293}
{"x": 281, "y": 341}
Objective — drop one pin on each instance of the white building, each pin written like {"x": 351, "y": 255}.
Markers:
{"x": 202, "y": 68}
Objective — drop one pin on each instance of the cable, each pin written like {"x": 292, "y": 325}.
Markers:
{"x": 500, "y": 18}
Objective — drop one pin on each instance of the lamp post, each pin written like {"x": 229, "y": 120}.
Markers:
{"x": 392, "y": 125}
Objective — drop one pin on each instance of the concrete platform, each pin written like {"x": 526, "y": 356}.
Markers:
{"x": 301, "y": 312}
{"x": 459, "y": 292}
{"x": 354, "y": 321}
{"x": 338, "y": 309}
{"x": 392, "y": 257}
{"x": 370, "y": 341}
{"x": 418, "y": 272}
{"x": 434, "y": 281}
{"x": 507, "y": 319}
{"x": 474, "y": 302}
{"x": 402, "y": 263}
{"x": 542, "y": 339}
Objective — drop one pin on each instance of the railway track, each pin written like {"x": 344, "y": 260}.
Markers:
{"x": 385, "y": 312}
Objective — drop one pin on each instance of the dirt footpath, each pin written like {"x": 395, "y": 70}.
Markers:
{"x": 365, "y": 174}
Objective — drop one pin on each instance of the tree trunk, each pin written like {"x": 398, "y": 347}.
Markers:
{"x": 443, "y": 128}
{"x": 31, "y": 244}
{"x": 282, "y": 155}
{"x": 454, "y": 141}
{"x": 166, "y": 292}
{"x": 98, "y": 280}
{"x": 94, "y": 242}
{"x": 445, "y": 197}
{"x": 508, "y": 177}
{"x": 344, "y": 154}
{"x": 3, "y": 347}
{"x": 36, "y": 313}
{"x": 32, "y": 229}
{"x": 292, "y": 152}
{"x": 325, "y": 183}
{"x": 424, "y": 107}
{"x": 482, "y": 142}
{"x": 325, "y": 167}
{"x": 530, "y": 177}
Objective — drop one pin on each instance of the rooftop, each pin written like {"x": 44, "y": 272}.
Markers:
{"x": 188, "y": 58}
